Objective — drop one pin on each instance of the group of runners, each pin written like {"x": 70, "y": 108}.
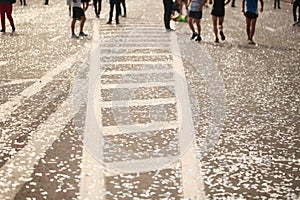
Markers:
{"x": 194, "y": 15}
{"x": 79, "y": 8}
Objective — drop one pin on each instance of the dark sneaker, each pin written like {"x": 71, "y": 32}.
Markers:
{"x": 13, "y": 28}
{"x": 2, "y": 30}
{"x": 198, "y": 39}
{"x": 194, "y": 35}
{"x": 222, "y": 35}
{"x": 74, "y": 36}
{"x": 108, "y": 22}
{"x": 82, "y": 34}
{"x": 217, "y": 40}
{"x": 251, "y": 42}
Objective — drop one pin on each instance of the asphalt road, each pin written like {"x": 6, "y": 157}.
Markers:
{"x": 134, "y": 112}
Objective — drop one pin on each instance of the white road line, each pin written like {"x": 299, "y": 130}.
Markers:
{"x": 138, "y": 128}
{"x": 18, "y": 169}
{"x": 137, "y": 85}
{"x": 147, "y": 164}
{"x": 163, "y": 71}
{"x": 137, "y": 48}
{"x": 132, "y": 54}
{"x": 92, "y": 179}
{"x": 138, "y": 63}
{"x": 92, "y": 184}
{"x": 7, "y": 108}
{"x": 146, "y": 102}
{"x": 17, "y": 82}
{"x": 192, "y": 181}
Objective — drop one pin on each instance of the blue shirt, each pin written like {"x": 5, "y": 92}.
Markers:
{"x": 251, "y": 6}
{"x": 194, "y": 6}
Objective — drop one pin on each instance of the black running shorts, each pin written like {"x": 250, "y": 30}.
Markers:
{"x": 78, "y": 13}
{"x": 195, "y": 14}
{"x": 218, "y": 12}
{"x": 251, "y": 15}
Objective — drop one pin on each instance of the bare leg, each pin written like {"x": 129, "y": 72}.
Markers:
{"x": 197, "y": 21}
{"x": 221, "y": 20}
{"x": 82, "y": 23}
{"x": 252, "y": 29}
{"x": 248, "y": 28}
{"x": 215, "y": 29}
{"x": 73, "y": 26}
{"x": 191, "y": 24}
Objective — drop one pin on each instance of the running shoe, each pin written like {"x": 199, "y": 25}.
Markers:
{"x": 251, "y": 42}
{"x": 194, "y": 35}
{"x": 73, "y": 36}
{"x": 295, "y": 23}
{"x": 222, "y": 35}
{"x": 2, "y": 30}
{"x": 198, "y": 39}
{"x": 82, "y": 34}
{"x": 217, "y": 40}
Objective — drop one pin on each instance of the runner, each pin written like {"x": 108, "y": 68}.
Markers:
{"x": 6, "y": 7}
{"x": 251, "y": 15}
{"x": 168, "y": 7}
{"x": 97, "y": 7}
{"x": 218, "y": 13}
{"x": 195, "y": 16}
{"x": 114, "y": 3}
{"x": 296, "y": 3}
{"x": 78, "y": 14}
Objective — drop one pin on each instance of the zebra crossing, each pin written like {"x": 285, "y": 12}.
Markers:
{"x": 138, "y": 113}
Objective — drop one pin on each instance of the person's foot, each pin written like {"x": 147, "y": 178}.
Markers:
{"x": 74, "y": 35}
{"x": 2, "y": 30}
{"x": 82, "y": 34}
{"x": 279, "y": 7}
{"x": 233, "y": 6}
{"x": 13, "y": 28}
{"x": 222, "y": 35}
{"x": 194, "y": 35}
{"x": 123, "y": 15}
{"x": 46, "y": 4}
{"x": 198, "y": 39}
{"x": 251, "y": 42}
{"x": 118, "y": 22}
{"x": 295, "y": 23}
{"x": 109, "y": 22}
{"x": 97, "y": 16}
{"x": 217, "y": 40}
